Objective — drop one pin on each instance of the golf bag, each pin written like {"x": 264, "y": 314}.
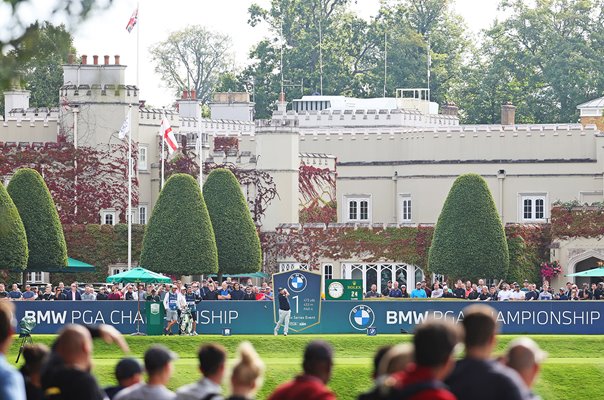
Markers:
{"x": 186, "y": 322}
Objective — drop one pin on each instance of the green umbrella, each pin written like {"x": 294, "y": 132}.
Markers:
{"x": 260, "y": 275}
{"x": 590, "y": 272}
{"x": 138, "y": 275}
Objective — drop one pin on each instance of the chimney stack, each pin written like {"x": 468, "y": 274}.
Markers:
{"x": 84, "y": 59}
{"x": 71, "y": 59}
{"x": 106, "y": 60}
{"x": 508, "y": 114}
{"x": 95, "y": 60}
{"x": 193, "y": 94}
{"x": 449, "y": 109}
{"x": 117, "y": 60}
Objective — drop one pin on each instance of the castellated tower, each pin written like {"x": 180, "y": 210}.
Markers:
{"x": 95, "y": 100}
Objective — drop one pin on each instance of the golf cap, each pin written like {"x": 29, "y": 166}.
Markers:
{"x": 157, "y": 357}
{"x": 280, "y": 289}
{"x": 127, "y": 368}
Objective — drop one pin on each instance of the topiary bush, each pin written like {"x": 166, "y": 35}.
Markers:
{"x": 45, "y": 239}
{"x": 469, "y": 239}
{"x": 179, "y": 239}
{"x": 236, "y": 235}
{"x": 13, "y": 239}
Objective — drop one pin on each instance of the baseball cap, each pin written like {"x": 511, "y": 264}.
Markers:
{"x": 157, "y": 357}
{"x": 127, "y": 368}
{"x": 530, "y": 345}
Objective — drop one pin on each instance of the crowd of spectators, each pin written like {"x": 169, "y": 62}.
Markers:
{"x": 482, "y": 292}
{"x": 206, "y": 289}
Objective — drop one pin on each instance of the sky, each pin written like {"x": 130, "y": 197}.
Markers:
{"x": 104, "y": 32}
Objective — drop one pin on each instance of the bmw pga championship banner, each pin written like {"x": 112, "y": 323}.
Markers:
{"x": 304, "y": 290}
{"x": 258, "y": 317}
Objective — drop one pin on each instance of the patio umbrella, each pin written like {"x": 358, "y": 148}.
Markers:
{"x": 590, "y": 272}
{"x": 138, "y": 275}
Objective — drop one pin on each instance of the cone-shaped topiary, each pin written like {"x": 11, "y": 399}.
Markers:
{"x": 45, "y": 239}
{"x": 236, "y": 235}
{"x": 469, "y": 239}
{"x": 13, "y": 240}
{"x": 179, "y": 239}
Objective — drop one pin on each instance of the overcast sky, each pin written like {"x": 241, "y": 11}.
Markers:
{"x": 105, "y": 33}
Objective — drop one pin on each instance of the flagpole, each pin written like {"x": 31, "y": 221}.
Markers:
{"x": 130, "y": 187}
{"x": 163, "y": 158}
{"x": 199, "y": 137}
{"x": 137, "y": 45}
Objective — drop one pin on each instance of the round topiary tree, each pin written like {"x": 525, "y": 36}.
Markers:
{"x": 179, "y": 239}
{"x": 236, "y": 235}
{"x": 13, "y": 239}
{"x": 45, "y": 238}
{"x": 469, "y": 239}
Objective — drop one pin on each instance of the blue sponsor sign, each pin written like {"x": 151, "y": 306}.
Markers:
{"x": 258, "y": 317}
{"x": 304, "y": 288}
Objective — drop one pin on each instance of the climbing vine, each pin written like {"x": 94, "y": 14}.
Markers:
{"x": 317, "y": 188}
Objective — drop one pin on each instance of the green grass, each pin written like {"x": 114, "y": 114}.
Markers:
{"x": 576, "y": 362}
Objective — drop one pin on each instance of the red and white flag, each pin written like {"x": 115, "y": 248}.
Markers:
{"x": 168, "y": 135}
{"x": 133, "y": 20}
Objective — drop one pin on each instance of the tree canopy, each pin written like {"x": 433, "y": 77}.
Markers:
{"x": 45, "y": 239}
{"x": 179, "y": 239}
{"x": 469, "y": 240}
{"x": 13, "y": 239}
{"x": 236, "y": 235}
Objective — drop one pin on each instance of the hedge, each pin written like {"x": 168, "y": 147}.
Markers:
{"x": 179, "y": 239}
{"x": 469, "y": 239}
{"x": 13, "y": 239}
{"x": 45, "y": 239}
{"x": 236, "y": 235}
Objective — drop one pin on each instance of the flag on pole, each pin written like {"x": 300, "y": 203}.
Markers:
{"x": 125, "y": 127}
{"x": 133, "y": 20}
{"x": 168, "y": 136}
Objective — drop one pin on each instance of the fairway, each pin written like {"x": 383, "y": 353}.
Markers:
{"x": 575, "y": 363}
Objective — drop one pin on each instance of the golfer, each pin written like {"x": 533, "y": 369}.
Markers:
{"x": 284, "y": 312}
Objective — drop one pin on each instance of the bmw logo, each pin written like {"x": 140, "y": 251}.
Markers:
{"x": 361, "y": 317}
{"x": 296, "y": 282}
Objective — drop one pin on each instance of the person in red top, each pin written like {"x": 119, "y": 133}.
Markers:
{"x": 434, "y": 342}
{"x": 317, "y": 366}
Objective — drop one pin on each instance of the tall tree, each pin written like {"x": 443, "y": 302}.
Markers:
{"x": 179, "y": 239}
{"x": 45, "y": 239}
{"x": 13, "y": 240}
{"x": 236, "y": 235}
{"x": 469, "y": 240}
{"x": 193, "y": 58}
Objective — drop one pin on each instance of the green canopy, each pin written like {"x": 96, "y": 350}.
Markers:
{"x": 260, "y": 275}
{"x": 73, "y": 266}
{"x": 590, "y": 272}
{"x": 138, "y": 274}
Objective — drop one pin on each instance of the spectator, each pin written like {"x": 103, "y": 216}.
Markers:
{"x": 317, "y": 366}
{"x": 63, "y": 288}
{"x": 59, "y": 294}
{"x": 249, "y": 293}
{"x": 212, "y": 359}
{"x": 284, "y": 312}
{"x": 468, "y": 288}
{"x": 561, "y": 295}
{"x": 173, "y": 302}
{"x": 204, "y": 288}
{"x": 153, "y": 297}
{"x": 88, "y": 294}
{"x": 158, "y": 364}
{"x": 162, "y": 291}
{"x": 28, "y": 295}
{"x": 15, "y": 293}
{"x": 532, "y": 293}
{"x": 505, "y": 293}
{"x": 375, "y": 392}
{"x": 426, "y": 288}
{"x": 404, "y": 293}
{"x": 102, "y": 295}
{"x": 447, "y": 293}
{"x": 418, "y": 292}
{"x": 434, "y": 344}
{"x": 460, "y": 290}
{"x": 74, "y": 294}
{"x": 545, "y": 294}
{"x": 477, "y": 376}
{"x": 592, "y": 291}
{"x": 484, "y": 294}
{"x": 247, "y": 374}
{"x": 526, "y": 287}
{"x": 130, "y": 294}
{"x": 3, "y": 292}
{"x": 437, "y": 292}
{"x": 395, "y": 292}
{"x": 237, "y": 293}
{"x": 481, "y": 283}
{"x": 35, "y": 356}
{"x": 259, "y": 293}
{"x": 115, "y": 294}
{"x": 11, "y": 381}
{"x": 517, "y": 294}
{"x": 268, "y": 294}
{"x": 569, "y": 286}
{"x": 192, "y": 299}
{"x": 396, "y": 360}
{"x": 372, "y": 293}
{"x": 387, "y": 289}
{"x": 224, "y": 293}
{"x": 574, "y": 295}
{"x": 473, "y": 294}
{"x": 599, "y": 292}
{"x": 47, "y": 295}
{"x": 525, "y": 357}
{"x": 128, "y": 372}
{"x": 211, "y": 294}
{"x": 141, "y": 294}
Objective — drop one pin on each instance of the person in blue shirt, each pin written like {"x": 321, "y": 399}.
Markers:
{"x": 395, "y": 291}
{"x": 192, "y": 299}
{"x": 418, "y": 292}
{"x": 11, "y": 381}
{"x": 15, "y": 293}
{"x": 224, "y": 293}
{"x": 28, "y": 294}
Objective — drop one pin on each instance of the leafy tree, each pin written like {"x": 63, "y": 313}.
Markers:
{"x": 179, "y": 239}
{"x": 236, "y": 235}
{"x": 45, "y": 239}
{"x": 469, "y": 240}
{"x": 13, "y": 240}
{"x": 193, "y": 58}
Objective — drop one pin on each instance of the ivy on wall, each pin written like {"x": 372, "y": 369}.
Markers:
{"x": 317, "y": 187}
{"x": 572, "y": 220}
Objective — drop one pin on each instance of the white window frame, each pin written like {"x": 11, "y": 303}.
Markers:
{"x": 405, "y": 218}
{"x": 533, "y": 198}
{"x": 357, "y": 200}
{"x": 35, "y": 277}
{"x": 108, "y": 212}
{"x": 414, "y": 273}
{"x": 143, "y": 221}
{"x": 143, "y": 157}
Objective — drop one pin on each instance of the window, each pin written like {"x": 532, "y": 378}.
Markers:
{"x": 108, "y": 217}
{"x": 379, "y": 274}
{"x": 142, "y": 215}
{"x": 35, "y": 277}
{"x": 328, "y": 271}
{"x": 142, "y": 158}
{"x": 533, "y": 207}
{"x": 359, "y": 209}
{"x": 405, "y": 208}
